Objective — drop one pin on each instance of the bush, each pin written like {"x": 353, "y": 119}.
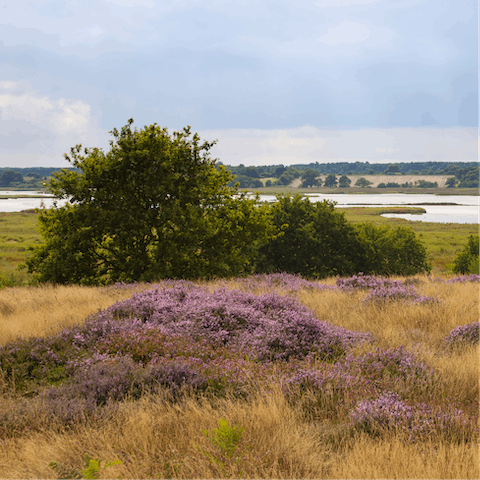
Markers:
{"x": 312, "y": 239}
{"x": 467, "y": 260}
{"x": 392, "y": 251}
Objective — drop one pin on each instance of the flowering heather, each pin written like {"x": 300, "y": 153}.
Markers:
{"x": 388, "y": 412}
{"x": 390, "y": 369}
{"x": 209, "y": 331}
{"x": 383, "y": 290}
{"x": 473, "y": 277}
{"x": 464, "y": 334}
{"x": 363, "y": 282}
{"x": 268, "y": 326}
{"x": 334, "y": 380}
{"x": 284, "y": 282}
{"x": 395, "y": 362}
{"x": 397, "y": 291}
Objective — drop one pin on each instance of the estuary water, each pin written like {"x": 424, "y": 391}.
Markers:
{"x": 439, "y": 208}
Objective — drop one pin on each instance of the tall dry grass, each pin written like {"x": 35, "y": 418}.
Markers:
{"x": 156, "y": 438}
{"x": 161, "y": 440}
{"x": 45, "y": 310}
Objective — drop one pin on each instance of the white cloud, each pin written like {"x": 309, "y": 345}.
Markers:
{"x": 34, "y": 125}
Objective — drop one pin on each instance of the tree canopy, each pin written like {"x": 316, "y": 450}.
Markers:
{"x": 312, "y": 239}
{"x": 154, "y": 206}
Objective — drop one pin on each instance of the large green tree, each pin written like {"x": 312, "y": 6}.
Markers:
{"x": 153, "y": 206}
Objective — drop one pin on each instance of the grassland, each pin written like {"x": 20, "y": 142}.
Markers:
{"x": 308, "y": 430}
{"x": 442, "y": 241}
{"x": 19, "y": 231}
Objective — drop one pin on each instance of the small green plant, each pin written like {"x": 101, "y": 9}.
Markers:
{"x": 225, "y": 438}
{"x": 90, "y": 471}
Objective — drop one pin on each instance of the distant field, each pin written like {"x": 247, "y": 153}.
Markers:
{"x": 376, "y": 179}
{"x": 278, "y": 189}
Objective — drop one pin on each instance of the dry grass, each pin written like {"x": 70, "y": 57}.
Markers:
{"x": 41, "y": 311}
{"x": 160, "y": 440}
{"x": 155, "y": 438}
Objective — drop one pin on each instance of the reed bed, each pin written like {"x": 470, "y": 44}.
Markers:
{"x": 270, "y": 376}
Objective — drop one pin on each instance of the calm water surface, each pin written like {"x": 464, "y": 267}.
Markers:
{"x": 464, "y": 210}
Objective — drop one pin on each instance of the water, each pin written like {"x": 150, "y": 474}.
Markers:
{"x": 19, "y": 204}
{"x": 465, "y": 210}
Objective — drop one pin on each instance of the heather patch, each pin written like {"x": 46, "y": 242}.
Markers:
{"x": 389, "y": 413}
{"x": 382, "y": 290}
{"x": 393, "y": 363}
{"x": 268, "y": 326}
{"x": 397, "y": 291}
{"x": 284, "y": 283}
{"x": 179, "y": 337}
{"x": 473, "y": 277}
{"x": 464, "y": 334}
{"x": 363, "y": 282}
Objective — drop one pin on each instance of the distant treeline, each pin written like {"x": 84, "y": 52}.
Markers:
{"x": 463, "y": 174}
{"x": 28, "y": 178}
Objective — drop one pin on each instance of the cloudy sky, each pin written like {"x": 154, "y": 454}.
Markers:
{"x": 275, "y": 81}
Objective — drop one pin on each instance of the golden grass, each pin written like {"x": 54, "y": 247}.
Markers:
{"x": 45, "y": 310}
{"x": 155, "y": 438}
{"x": 159, "y": 440}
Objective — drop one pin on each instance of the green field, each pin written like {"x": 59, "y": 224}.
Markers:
{"x": 18, "y": 231}
{"x": 442, "y": 241}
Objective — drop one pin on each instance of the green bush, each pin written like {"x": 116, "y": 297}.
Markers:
{"x": 312, "y": 239}
{"x": 392, "y": 251}
{"x": 467, "y": 260}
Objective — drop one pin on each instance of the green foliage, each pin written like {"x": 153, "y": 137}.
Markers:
{"x": 392, "y": 251}
{"x": 451, "y": 182}
{"x": 392, "y": 169}
{"x": 344, "y": 182}
{"x": 153, "y": 206}
{"x": 363, "y": 182}
{"x": 331, "y": 180}
{"x": 426, "y": 184}
{"x": 92, "y": 468}
{"x": 467, "y": 261}
{"x": 245, "y": 181}
{"x": 225, "y": 439}
{"x": 469, "y": 177}
{"x": 310, "y": 179}
{"x": 10, "y": 177}
{"x": 311, "y": 239}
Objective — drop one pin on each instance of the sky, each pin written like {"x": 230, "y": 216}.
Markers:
{"x": 273, "y": 81}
